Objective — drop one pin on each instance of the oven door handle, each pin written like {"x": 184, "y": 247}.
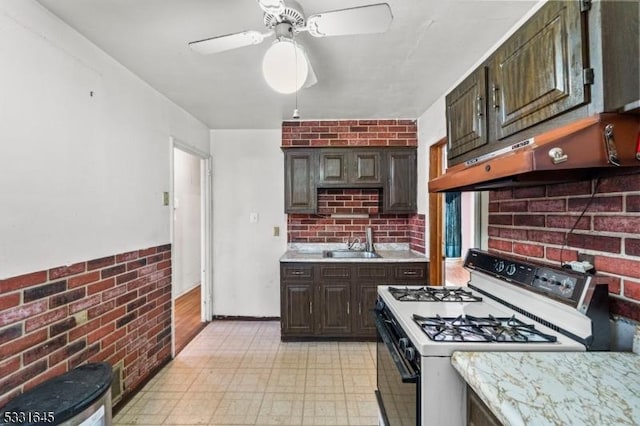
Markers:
{"x": 408, "y": 374}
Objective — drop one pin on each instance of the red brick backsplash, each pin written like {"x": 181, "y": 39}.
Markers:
{"x": 533, "y": 223}
{"x": 382, "y": 132}
{"x": 115, "y": 309}
{"x": 322, "y": 228}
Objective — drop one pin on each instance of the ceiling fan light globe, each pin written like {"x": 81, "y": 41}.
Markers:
{"x": 272, "y": 7}
{"x": 285, "y": 66}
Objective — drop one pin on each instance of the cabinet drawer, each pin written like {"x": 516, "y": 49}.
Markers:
{"x": 335, "y": 271}
{"x": 410, "y": 272}
{"x": 297, "y": 272}
{"x": 372, "y": 271}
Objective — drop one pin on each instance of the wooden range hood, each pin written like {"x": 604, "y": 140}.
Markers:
{"x": 595, "y": 146}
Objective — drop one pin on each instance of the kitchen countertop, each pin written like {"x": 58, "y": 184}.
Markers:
{"x": 555, "y": 388}
{"x": 388, "y": 253}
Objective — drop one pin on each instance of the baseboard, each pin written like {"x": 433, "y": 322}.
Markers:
{"x": 243, "y": 318}
{"x": 129, "y": 396}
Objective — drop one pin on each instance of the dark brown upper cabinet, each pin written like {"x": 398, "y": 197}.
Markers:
{"x": 538, "y": 73}
{"x": 400, "y": 191}
{"x": 467, "y": 114}
{"x": 393, "y": 170}
{"x": 349, "y": 167}
{"x": 300, "y": 186}
{"x": 569, "y": 61}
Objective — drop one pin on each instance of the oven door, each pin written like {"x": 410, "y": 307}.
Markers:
{"x": 398, "y": 392}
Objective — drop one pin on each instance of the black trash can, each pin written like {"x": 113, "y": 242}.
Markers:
{"x": 80, "y": 397}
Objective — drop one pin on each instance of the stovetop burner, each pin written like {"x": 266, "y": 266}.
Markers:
{"x": 466, "y": 328}
{"x": 433, "y": 294}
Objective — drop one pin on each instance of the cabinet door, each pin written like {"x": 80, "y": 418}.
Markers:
{"x": 333, "y": 167}
{"x": 364, "y": 299}
{"x": 400, "y": 190}
{"x": 300, "y": 186}
{"x": 297, "y": 309}
{"x": 478, "y": 414}
{"x": 538, "y": 72}
{"x": 334, "y": 309}
{"x": 364, "y": 167}
{"x": 466, "y": 109}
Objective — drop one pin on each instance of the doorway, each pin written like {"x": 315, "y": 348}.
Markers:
{"x": 190, "y": 202}
{"x": 455, "y": 225}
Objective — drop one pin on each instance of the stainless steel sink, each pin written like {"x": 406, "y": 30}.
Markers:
{"x": 350, "y": 254}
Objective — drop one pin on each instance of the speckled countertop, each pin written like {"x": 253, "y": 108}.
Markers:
{"x": 387, "y": 252}
{"x": 555, "y": 388}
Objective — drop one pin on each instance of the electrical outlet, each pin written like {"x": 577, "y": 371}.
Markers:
{"x": 253, "y": 217}
{"x": 588, "y": 257}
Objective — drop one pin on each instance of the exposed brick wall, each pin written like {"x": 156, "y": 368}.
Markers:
{"x": 387, "y": 132}
{"x": 114, "y": 309}
{"x": 533, "y": 222}
{"x": 320, "y": 228}
{"x": 416, "y": 232}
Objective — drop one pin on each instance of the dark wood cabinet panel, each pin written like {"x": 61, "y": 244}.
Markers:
{"x": 335, "y": 299}
{"x": 393, "y": 170}
{"x": 333, "y": 169}
{"x": 297, "y": 308}
{"x": 365, "y": 295}
{"x": 334, "y": 308}
{"x": 478, "y": 414}
{"x": 538, "y": 72}
{"x": 400, "y": 192}
{"x": 366, "y": 167}
{"x": 300, "y": 186}
{"x": 466, "y": 110}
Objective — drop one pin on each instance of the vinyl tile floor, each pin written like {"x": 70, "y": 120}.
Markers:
{"x": 240, "y": 373}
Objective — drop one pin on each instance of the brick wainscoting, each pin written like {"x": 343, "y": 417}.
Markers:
{"x": 321, "y": 228}
{"x": 115, "y": 309}
{"x": 533, "y": 223}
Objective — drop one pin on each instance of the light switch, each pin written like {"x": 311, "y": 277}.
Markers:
{"x": 253, "y": 217}
{"x": 276, "y": 231}
{"x": 165, "y": 198}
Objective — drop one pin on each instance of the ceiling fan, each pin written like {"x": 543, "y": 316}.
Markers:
{"x": 285, "y": 65}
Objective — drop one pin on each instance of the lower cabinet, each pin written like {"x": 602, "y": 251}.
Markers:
{"x": 478, "y": 414}
{"x": 336, "y": 300}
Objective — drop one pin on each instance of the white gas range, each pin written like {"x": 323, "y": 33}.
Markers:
{"x": 509, "y": 305}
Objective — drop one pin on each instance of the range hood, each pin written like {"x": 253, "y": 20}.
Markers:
{"x": 595, "y": 146}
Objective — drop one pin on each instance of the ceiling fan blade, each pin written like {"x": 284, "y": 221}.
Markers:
{"x": 272, "y": 7}
{"x": 227, "y": 42}
{"x": 371, "y": 19}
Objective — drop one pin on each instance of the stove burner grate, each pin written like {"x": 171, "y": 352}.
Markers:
{"x": 466, "y": 328}
{"x": 433, "y": 294}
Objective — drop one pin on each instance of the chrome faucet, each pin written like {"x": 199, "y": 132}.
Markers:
{"x": 369, "y": 242}
{"x": 351, "y": 245}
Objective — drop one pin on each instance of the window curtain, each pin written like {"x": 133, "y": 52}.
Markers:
{"x": 453, "y": 228}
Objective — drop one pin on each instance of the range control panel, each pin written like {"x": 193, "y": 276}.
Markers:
{"x": 558, "y": 283}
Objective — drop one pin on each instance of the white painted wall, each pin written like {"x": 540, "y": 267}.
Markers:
{"x": 248, "y": 177}
{"x": 187, "y": 216}
{"x": 81, "y": 176}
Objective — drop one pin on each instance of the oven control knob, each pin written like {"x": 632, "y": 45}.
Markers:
{"x": 410, "y": 353}
{"x": 511, "y": 269}
{"x": 379, "y": 305}
{"x": 403, "y": 342}
{"x": 499, "y": 266}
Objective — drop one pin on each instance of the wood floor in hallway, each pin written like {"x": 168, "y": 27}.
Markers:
{"x": 187, "y": 316}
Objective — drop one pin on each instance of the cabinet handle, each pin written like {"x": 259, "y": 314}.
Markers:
{"x": 347, "y": 307}
{"x": 479, "y": 106}
{"x": 496, "y": 97}
{"x": 297, "y": 272}
{"x": 413, "y": 273}
{"x": 310, "y": 308}
{"x": 359, "y": 308}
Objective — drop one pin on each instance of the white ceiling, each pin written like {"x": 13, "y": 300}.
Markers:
{"x": 398, "y": 74}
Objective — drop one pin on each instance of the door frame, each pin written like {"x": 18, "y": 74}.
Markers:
{"x": 436, "y": 215}
{"x": 206, "y": 230}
